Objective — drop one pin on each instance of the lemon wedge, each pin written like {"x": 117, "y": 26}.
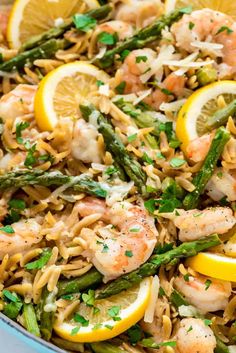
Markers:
{"x": 108, "y": 317}
{"x": 62, "y": 91}
{"x": 214, "y": 265}
{"x": 192, "y": 117}
{"x": 227, "y": 7}
{"x": 32, "y": 17}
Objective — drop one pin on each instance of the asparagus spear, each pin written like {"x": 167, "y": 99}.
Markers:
{"x": 67, "y": 345}
{"x": 30, "y": 319}
{"x": 21, "y": 178}
{"x": 56, "y": 32}
{"x": 221, "y": 116}
{"x": 222, "y": 136}
{"x": 104, "y": 347}
{"x": 46, "y": 317}
{"x": 114, "y": 145}
{"x": 177, "y": 300}
{"x": 44, "y": 51}
{"x": 152, "y": 265}
{"x": 141, "y": 39}
{"x": 88, "y": 280}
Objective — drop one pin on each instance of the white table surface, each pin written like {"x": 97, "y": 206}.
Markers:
{"x": 10, "y": 344}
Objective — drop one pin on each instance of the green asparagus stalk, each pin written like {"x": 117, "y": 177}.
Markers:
{"x": 21, "y": 178}
{"x": 206, "y": 75}
{"x": 177, "y": 300}
{"x": 46, "y": 317}
{"x": 222, "y": 136}
{"x": 30, "y": 320}
{"x": 221, "y": 116}
{"x": 114, "y": 145}
{"x": 141, "y": 39}
{"x": 104, "y": 347}
{"x": 90, "y": 279}
{"x": 67, "y": 345}
{"x": 152, "y": 265}
{"x": 44, "y": 51}
{"x": 54, "y": 33}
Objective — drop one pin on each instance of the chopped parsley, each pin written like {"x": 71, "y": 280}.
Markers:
{"x": 67, "y": 297}
{"x": 207, "y": 322}
{"x": 177, "y": 162}
{"x": 12, "y": 297}
{"x": 111, "y": 170}
{"x": 46, "y": 158}
{"x": 81, "y": 320}
{"x": 13, "y": 304}
{"x": 105, "y": 248}
{"x": 113, "y": 312}
{"x": 147, "y": 159}
{"x": 107, "y": 38}
{"x": 124, "y": 54}
{"x": 89, "y": 298}
{"x": 17, "y": 204}
{"x": 191, "y": 25}
{"x": 167, "y": 92}
{"x": 41, "y": 262}
{"x": 109, "y": 327}
{"x": 7, "y": 229}
{"x": 129, "y": 253}
{"x": 174, "y": 143}
{"x": 207, "y": 284}
{"x": 160, "y": 155}
{"x": 97, "y": 326}
{"x": 134, "y": 334}
{"x": 161, "y": 292}
{"x": 74, "y": 331}
{"x": 186, "y": 277}
{"x": 189, "y": 329}
{"x": 121, "y": 87}
{"x": 132, "y": 138}
{"x": 150, "y": 205}
{"x": 30, "y": 157}
{"x": 224, "y": 28}
{"x": 141, "y": 58}
{"x": 19, "y": 128}
{"x": 84, "y": 22}
{"x": 100, "y": 83}
{"x": 134, "y": 230}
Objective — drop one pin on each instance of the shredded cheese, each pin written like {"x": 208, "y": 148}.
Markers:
{"x": 150, "y": 311}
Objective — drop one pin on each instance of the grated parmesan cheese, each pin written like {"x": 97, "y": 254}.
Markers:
{"x": 104, "y": 90}
{"x": 173, "y": 106}
{"x": 142, "y": 95}
{"x": 58, "y": 22}
{"x": 149, "y": 313}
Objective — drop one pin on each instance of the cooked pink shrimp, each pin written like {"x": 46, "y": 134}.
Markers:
{"x": 4, "y": 16}
{"x": 125, "y": 248}
{"x": 132, "y": 69}
{"x": 198, "y": 148}
{"x": 193, "y": 336}
{"x": 139, "y": 13}
{"x": 221, "y": 184}
{"x": 210, "y": 299}
{"x": 195, "y": 224}
{"x": 18, "y": 102}
{"x": 208, "y": 25}
{"x": 26, "y": 234}
{"x": 121, "y": 28}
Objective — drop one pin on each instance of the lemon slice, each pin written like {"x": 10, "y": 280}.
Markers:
{"x": 214, "y": 265}
{"x": 62, "y": 91}
{"x": 32, "y": 17}
{"x": 126, "y": 308}
{"x": 227, "y": 7}
{"x": 191, "y": 121}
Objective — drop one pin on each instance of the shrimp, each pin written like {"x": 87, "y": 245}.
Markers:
{"x": 195, "y": 224}
{"x": 121, "y": 28}
{"x": 125, "y": 248}
{"x": 4, "y": 16}
{"x": 18, "y": 102}
{"x": 26, "y": 234}
{"x": 139, "y": 13}
{"x": 193, "y": 336}
{"x": 198, "y": 148}
{"x": 210, "y": 299}
{"x": 84, "y": 146}
{"x": 132, "y": 69}
{"x": 221, "y": 184}
{"x": 208, "y": 25}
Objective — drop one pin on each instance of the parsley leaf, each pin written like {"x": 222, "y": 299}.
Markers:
{"x": 124, "y": 54}
{"x": 100, "y": 83}
{"x": 132, "y": 138}
{"x": 74, "y": 331}
{"x": 89, "y": 298}
{"x": 135, "y": 230}
{"x": 207, "y": 322}
{"x": 134, "y": 334}
{"x": 17, "y": 204}
{"x": 150, "y": 205}
{"x": 41, "y": 262}
{"x": 84, "y": 22}
{"x": 167, "y": 92}
{"x": 177, "y": 162}
{"x": 141, "y": 58}
{"x": 207, "y": 284}
{"x": 105, "y": 248}
{"x": 30, "y": 158}
{"x": 113, "y": 312}
{"x": 19, "y": 128}
{"x": 121, "y": 87}
{"x": 80, "y": 319}
{"x": 111, "y": 170}
{"x": 107, "y": 38}
{"x": 224, "y": 28}
{"x": 161, "y": 292}
{"x": 129, "y": 253}
{"x": 13, "y": 306}
{"x": 7, "y": 229}
{"x": 147, "y": 159}
{"x": 191, "y": 25}
{"x": 12, "y": 297}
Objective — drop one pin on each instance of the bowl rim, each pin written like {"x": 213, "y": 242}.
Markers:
{"x": 18, "y": 328}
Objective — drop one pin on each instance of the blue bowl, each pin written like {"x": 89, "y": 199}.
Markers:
{"x": 35, "y": 343}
